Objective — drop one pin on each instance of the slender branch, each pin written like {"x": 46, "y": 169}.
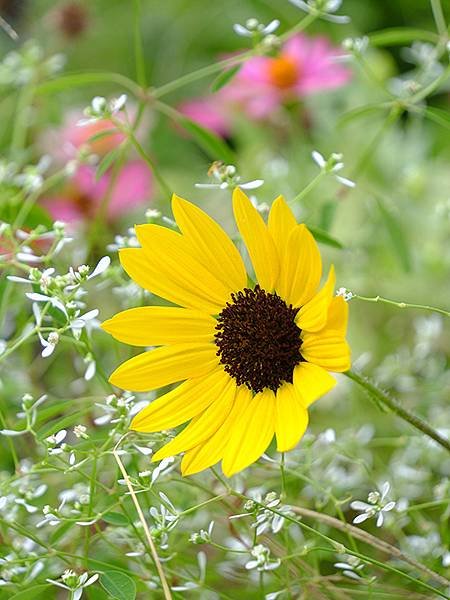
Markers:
{"x": 439, "y": 18}
{"x": 162, "y": 577}
{"x": 224, "y": 64}
{"x": 371, "y": 540}
{"x": 384, "y": 399}
{"x": 403, "y": 304}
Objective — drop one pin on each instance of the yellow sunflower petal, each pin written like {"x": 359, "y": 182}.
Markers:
{"x": 203, "y": 426}
{"x": 302, "y": 269}
{"x": 338, "y": 315}
{"x": 258, "y": 240}
{"x": 211, "y": 451}
{"x": 165, "y": 365}
{"x": 182, "y": 403}
{"x": 327, "y": 349}
{"x": 291, "y": 418}
{"x": 313, "y": 315}
{"x": 213, "y": 248}
{"x": 312, "y": 382}
{"x": 160, "y": 325}
{"x": 281, "y": 223}
{"x": 175, "y": 274}
{"x": 252, "y": 433}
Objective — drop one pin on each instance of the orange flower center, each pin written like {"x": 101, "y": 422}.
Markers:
{"x": 283, "y": 72}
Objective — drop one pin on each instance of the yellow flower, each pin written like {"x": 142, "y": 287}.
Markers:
{"x": 251, "y": 358}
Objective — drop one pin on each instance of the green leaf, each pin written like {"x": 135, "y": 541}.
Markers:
{"x": 102, "y": 134}
{"x": 64, "y": 423}
{"x": 107, "y": 161}
{"x": 396, "y": 36}
{"x": 115, "y": 518}
{"x": 361, "y": 111}
{"x": 225, "y": 77}
{"x": 211, "y": 143}
{"x": 325, "y": 238}
{"x": 438, "y": 115}
{"x": 31, "y": 593}
{"x": 119, "y": 585}
{"x": 37, "y": 215}
{"x": 74, "y": 80}
{"x": 396, "y": 234}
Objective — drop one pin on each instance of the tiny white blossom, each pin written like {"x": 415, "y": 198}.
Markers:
{"x": 331, "y": 166}
{"x": 376, "y": 506}
{"x": 324, "y": 9}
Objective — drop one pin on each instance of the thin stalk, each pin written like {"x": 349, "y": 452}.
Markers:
{"x": 162, "y": 577}
{"x": 371, "y": 540}
{"x": 138, "y": 46}
{"x": 226, "y": 63}
{"x": 311, "y": 185}
{"x": 9, "y": 442}
{"x": 439, "y": 18}
{"x": 385, "y": 400}
{"x": 21, "y": 123}
{"x": 403, "y": 304}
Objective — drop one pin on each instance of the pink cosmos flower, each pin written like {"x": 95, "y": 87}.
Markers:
{"x": 83, "y": 195}
{"x": 303, "y": 66}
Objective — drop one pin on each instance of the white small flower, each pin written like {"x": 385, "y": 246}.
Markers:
{"x": 324, "y": 9}
{"x": 100, "y": 108}
{"x": 80, "y": 432}
{"x": 262, "y": 560}
{"x": 356, "y": 45}
{"x": 254, "y": 29}
{"x": 376, "y": 506}
{"x": 227, "y": 177}
{"x": 332, "y": 166}
{"x": 346, "y": 294}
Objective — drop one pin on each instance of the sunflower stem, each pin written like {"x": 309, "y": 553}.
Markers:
{"x": 384, "y": 399}
{"x": 441, "y": 311}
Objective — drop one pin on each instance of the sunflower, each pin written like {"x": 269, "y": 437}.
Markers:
{"x": 251, "y": 357}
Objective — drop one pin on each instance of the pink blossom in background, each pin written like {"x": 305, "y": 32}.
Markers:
{"x": 82, "y": 197}
{"x": 304, "y": 66}
{"x": 210, "y": 112}
{"x": 62, "y": 143}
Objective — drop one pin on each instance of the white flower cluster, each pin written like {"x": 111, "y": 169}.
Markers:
{"x": 259, "y": 33}
{"x": 100, "y": 109}
{"x": 332, "y": 166}
{"x": 20, "y": 67}
{"x": 324, "y": 9}
{"x": 226, "y": 177}
{"x": 375, "y": 506}
{"x": 74, "y": 583}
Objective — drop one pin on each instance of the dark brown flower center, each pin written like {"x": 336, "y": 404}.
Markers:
{"x": 258, "y": 340}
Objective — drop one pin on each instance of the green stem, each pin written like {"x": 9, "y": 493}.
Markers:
{"x": 138, "y": 47}
{"x": 226, "y": 63}
{"x": 439, "y": 18}
{"x": 429, "y": 89}
{"x": 10, "y": 442}
{"x": 403, "y": 304}
{"x": 383, "y": 398}
{"x": 162, "y": 182}
{"x": 21, "y": 123}
{"x": 311, "y": 185}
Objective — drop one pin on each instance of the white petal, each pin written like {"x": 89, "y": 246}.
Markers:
{"x": 102, "y": 265}
{"x": 318, "y": 159}
{"x": 348, "y": 182}
{"x": 361, "y": 518}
